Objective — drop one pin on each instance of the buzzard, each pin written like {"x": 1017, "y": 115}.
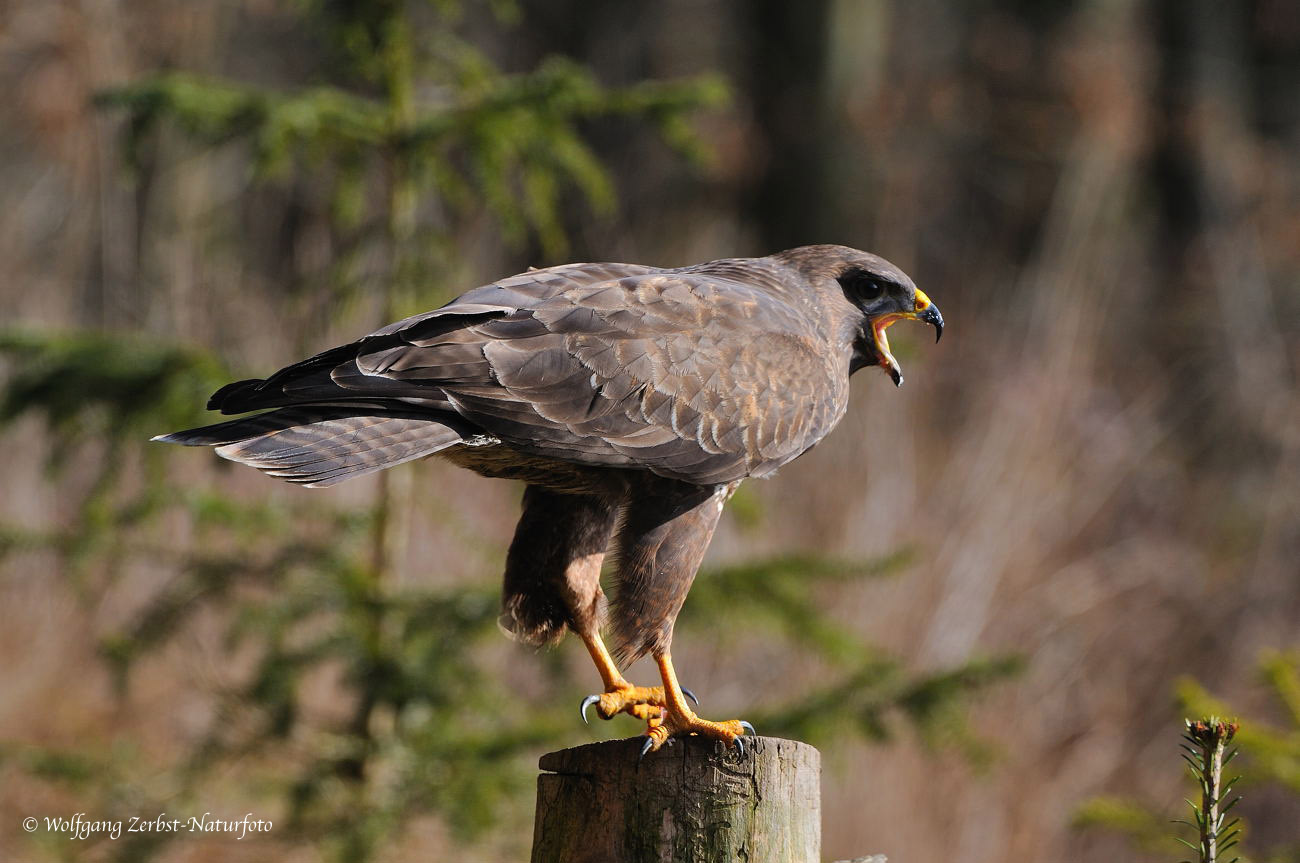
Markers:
{"x": 631, "y": 400}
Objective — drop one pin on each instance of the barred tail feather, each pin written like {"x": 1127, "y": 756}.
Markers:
{"x": 314, "y": 448}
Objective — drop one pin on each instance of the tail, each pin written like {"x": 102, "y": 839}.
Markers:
{"x": 321, "y": 446}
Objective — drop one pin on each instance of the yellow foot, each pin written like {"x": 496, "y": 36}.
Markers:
{"x": 684, "y": 722}
{"x": 644, "y": 702}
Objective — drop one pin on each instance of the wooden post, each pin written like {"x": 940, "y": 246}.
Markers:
{"x": 692, "y": 802}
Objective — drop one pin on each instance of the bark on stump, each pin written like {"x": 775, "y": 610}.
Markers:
{"x": 692, "y": 802}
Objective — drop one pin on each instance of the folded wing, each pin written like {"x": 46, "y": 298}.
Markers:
{"x": 691, "y": 375}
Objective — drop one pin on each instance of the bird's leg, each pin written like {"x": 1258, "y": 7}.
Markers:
{"x": 552, "y": 582}
{"x": 680, "y": 719}
{"x": 643, "y": 702}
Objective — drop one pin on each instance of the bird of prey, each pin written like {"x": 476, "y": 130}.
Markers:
{"x": 631, "y": 400}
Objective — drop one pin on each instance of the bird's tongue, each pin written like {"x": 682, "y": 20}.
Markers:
{"x": 887, "y": 361}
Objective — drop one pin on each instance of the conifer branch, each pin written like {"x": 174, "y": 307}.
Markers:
{"x": 1206, "y": 752}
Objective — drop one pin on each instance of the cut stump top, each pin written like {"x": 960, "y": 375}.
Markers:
{"x": 695, "y": 801}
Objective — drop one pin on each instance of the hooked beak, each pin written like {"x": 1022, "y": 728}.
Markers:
{"x": 924, "y": 311}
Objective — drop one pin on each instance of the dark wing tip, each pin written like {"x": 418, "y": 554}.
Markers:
{"x": 223, "y": 395}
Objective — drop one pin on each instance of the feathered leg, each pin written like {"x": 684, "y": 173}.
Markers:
{"x": 666, "y": 530}
{"x": 552, "y": 581}
{"x": 553, "y": 566}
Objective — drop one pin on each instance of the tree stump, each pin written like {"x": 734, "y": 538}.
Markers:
{"x": 692, "y": 802}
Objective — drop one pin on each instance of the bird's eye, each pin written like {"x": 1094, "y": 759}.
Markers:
{"x": 862, "y": 286}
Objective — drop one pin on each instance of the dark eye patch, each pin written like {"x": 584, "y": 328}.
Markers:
{"x": 862, "y": 285}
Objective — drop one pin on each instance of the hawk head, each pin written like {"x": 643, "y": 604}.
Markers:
{"x": 881, "y": 293}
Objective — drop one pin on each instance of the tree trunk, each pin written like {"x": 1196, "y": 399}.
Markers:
{"x": 691, "y": 802}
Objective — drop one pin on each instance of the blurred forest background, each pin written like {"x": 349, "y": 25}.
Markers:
{"x": 989, "y": 597}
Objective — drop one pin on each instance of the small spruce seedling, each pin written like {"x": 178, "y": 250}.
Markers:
{"x": 1205, "y": 749}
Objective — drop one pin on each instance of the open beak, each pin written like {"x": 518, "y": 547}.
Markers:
{"x": 924, "y": 311}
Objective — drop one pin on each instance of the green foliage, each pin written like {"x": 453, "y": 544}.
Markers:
{"x": 1271, "y": 755}
{"x": 1148, "y": 831}
{"x": 862, "y": 701}
{"x": 513, "y": 143}
{"x": 86, "y": 385}
{"x": 111, "y": 392}
{"x": 780, "y": 594}
{"x": 446, "y": 137}
{"x": 1273, "y": 752}
{"x": 867, "y": 686}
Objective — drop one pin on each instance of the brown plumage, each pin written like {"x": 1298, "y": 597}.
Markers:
{"x": 631, "y": 400}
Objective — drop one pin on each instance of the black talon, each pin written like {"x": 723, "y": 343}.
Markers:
{"x": 691, "y": 696}
{"x": 749, "y": 728}
{"x": 740, "y": 746}
{"x": 645, "y": 747}
{"x": 587, "y": 702}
